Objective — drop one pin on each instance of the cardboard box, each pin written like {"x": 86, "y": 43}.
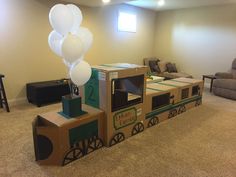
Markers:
{"x": 196, "y": 85}
{"x": 190, "y": 92}
{"x": 59, "y": 141}
{"x": 186, "y": 93}
{"x": 183, "y": 88}
{"x": 159, "y": 100}
{"x": 118, "y": 90}
{"x": 196, "y": 89}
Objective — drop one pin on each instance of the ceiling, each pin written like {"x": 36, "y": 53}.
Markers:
{"x": 178, "y": 4}
{"x": 152, "y": 4}
{"x": 95, "y": 3}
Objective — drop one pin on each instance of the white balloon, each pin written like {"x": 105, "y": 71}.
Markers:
{"x": 78, "y": 60}
{"x": 72, "y": 48}
{"x": 78, "y": 17}
{"x": 86, "y": 37}
{"x": 70, "y": 65}
{"x": 80, "y": 73}
{"x": 61, "y": 18}
{"x": 55, "y": 41}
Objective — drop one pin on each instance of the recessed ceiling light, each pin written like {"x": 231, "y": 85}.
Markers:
{"x": 161, "y": 2}
{"x": 106, "y": 1}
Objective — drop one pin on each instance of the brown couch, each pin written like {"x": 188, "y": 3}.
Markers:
{"x": 162, "y": 70}
{"x": 225, "y": 83}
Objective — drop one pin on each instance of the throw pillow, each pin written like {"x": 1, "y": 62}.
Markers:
{"x": 162, "y": 66}
{"x": 171, "y": 68}
{"x": 153, "y": 66}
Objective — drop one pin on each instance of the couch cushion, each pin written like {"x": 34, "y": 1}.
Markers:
{"x": 234, "y": 73}
{"x": 162, "y": 66}
{"x": 225, "y": 83}
{"x": 231, "y": 94}
{"x": 154, "y": 66}
{"x": 171, "y": 67}
{"x": 146, "y": 60}
{"x": 223, "y": 75}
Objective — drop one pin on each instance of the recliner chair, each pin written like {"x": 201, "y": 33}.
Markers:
{"x": 225, "y": 83}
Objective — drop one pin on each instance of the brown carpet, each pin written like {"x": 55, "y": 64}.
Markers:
{"x": 200, "y": 142}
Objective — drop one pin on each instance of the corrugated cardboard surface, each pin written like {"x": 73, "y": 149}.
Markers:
{"x": 179, "y": 85}
{"x": 56, "y": 128}
{"x": 194, "y": 82}
{"x": 174, "y": 86}
{"x": 107, "y": 73}
{"x": 151, "y": 92}
{"x": 188, "y": 80}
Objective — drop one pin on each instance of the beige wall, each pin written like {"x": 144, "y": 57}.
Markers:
{"x": 200, "y": 40}
{"x": 25, "y": 55}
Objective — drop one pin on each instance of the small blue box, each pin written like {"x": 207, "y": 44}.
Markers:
{"x": 71, "y": 106}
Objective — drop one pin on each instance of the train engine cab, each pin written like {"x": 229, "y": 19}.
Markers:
{"x": 120, "y": 92}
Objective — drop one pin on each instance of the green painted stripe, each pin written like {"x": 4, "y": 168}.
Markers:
{"x": 167, "y": 84}
{"x": 159, "y": 111}
{"x": 182, "y": 82}
{"x": 112, "y": 66}
{"x": 157, "y": 81}
{"x": 169, "y": 107}
{"x": 189, "y": 100}
{"x": 154, "y": 89}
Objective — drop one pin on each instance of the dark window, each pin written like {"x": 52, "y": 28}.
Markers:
{"x": 195, "y": 90}
{"x": 127, "y": 92}
{"x": 184, "y": 93}
{"x": 160, "y": 101}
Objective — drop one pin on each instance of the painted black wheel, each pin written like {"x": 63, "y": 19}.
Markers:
{"x": 181, "y": 109}
{"x": 153, "y": 121}
{"x": 94, "y": 143}
{"x": 172, "y": 113}
{"x": 117, "y": 138}
{"x": 198, "y": 102}
{"x": 72, "y": 155}
{"x": 76, "y": 144}
{"x": 139, "y": 127}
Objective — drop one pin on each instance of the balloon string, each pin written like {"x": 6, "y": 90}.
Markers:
{"x": 70, "y": 85}
{"x": 69, "y": 82}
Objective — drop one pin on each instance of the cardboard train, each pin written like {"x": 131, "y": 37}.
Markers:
{"x": 118, "y": 104}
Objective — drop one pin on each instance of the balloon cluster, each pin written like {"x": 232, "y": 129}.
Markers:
{"x": 70, "y": 41}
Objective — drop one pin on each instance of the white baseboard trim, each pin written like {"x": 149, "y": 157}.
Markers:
{"x": 23, "y": 100}
{"x": 17, "y": 101}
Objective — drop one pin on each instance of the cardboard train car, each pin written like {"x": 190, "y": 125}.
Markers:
{"x": 118, "y": 104}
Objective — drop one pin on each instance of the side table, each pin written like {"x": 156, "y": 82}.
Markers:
{"x": 3, "y": 97}
{"x": 211, "y": 77}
